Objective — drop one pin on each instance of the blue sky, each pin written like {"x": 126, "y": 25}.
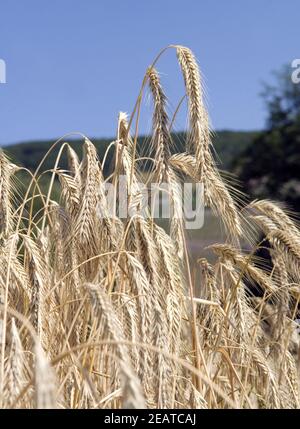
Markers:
{"x": 72, "y": 65}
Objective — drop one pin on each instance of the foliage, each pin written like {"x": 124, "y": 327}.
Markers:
{"x": 270, "y": 166}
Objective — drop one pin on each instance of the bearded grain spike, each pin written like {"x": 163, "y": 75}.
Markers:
{"x": 6, "y": 193}
{"x": 163, "y": 172}
{"x": 215, "y": 192}
{"x": 199, "y": 136}
{"x": 132, "y": 391}
{"x": 14, "y": 373}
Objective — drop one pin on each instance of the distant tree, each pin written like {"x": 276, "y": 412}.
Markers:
{"x": 270, "y": 166}
{"x": 282, "y": 99}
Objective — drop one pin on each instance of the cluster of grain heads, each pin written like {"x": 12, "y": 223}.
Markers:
{"x": 101, "y": 310}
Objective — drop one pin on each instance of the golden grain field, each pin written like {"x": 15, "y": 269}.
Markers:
{"x": 103, "y": 312}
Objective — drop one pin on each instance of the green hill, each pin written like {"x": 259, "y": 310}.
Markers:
{"x": 228, "y": 145}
